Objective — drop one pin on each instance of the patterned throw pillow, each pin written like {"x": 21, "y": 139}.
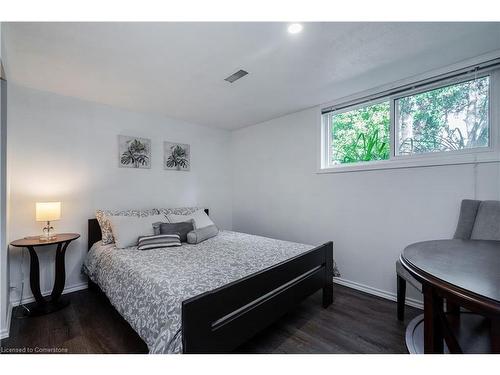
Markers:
{"x": 102, "y": 217}
{"x": 157, "y": 241}
{"x": 178, "y": 210}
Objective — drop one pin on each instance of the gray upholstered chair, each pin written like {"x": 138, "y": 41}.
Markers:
{"x": 478, "y": 220}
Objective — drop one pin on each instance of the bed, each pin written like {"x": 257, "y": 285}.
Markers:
{"x": 210, "y": 297}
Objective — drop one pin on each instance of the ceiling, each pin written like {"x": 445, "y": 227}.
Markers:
{"x": 178, "y": 69}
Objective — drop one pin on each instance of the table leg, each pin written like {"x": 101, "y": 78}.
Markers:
{"x": 60, "y": 272}
{"x": 495, "y": 335}
{"x": 35, "y": 276}
{"x": 401, "y": 289}
{"x": 433, "y": 335}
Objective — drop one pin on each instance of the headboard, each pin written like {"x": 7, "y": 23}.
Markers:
{"x": 95, "y": 234}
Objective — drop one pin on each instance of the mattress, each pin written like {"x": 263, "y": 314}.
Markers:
{"x": 148, "y": 287}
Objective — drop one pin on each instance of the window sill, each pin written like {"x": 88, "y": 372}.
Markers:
{"x": 415, "y": 162}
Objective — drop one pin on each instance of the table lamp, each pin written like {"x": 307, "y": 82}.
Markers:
{"x": 48, "y": 211}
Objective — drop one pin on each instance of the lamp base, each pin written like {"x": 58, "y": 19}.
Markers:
{"x": 48, "y": 233}
{"x": 51, "y": 237}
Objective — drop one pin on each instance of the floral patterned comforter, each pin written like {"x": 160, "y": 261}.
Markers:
{"x": 147, "y": 287}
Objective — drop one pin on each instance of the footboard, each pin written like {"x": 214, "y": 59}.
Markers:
{"x": 220, "y": 320}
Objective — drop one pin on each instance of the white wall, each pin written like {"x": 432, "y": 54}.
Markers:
{"x": 66, "y": 149}
{"x": 4, "y": 284}
{"x": 370, "y": 216}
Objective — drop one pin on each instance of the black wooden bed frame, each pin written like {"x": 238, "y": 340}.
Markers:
{"x": 220, "y": 320}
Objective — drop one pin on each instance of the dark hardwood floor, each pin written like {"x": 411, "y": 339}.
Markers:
{"x": 355, "y": 323}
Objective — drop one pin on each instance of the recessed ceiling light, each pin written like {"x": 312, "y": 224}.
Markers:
{"x": 295, "y": 28}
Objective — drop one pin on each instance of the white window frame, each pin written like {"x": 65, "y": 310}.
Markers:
{"x": 488, "y": 154}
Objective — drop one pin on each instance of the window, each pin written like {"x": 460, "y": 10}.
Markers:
{"x": 360, "y": 134}
{"x": 445, "y": 121}
{"x": 449, "y": 118}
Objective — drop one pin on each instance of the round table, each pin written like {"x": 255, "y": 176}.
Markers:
{"x": 465, "y": 273}
{"x": 53, "y": 303}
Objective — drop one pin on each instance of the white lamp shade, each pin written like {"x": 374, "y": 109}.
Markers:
{"x": 48, "y": 211}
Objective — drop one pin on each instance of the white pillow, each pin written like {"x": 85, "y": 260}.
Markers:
{"x": 201, "y": 219}
{"x": 128, "y": 229}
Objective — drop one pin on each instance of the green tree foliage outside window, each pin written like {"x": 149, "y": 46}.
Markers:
{"x": 449, "y": 118}
{"x": 361, "y": 134}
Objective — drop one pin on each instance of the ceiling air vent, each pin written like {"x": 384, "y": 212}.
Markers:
{"x": 233, "y": 77}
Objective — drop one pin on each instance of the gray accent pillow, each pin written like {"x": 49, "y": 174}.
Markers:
{"x": 202, "y": 234}
{"x": 182, "y": 229}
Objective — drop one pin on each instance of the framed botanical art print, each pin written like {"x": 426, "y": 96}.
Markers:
{"x": 176, "y": 156}
{"x": 134, "y": 152}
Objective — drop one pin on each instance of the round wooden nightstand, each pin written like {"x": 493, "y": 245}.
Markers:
{"x": 53, "y": 303}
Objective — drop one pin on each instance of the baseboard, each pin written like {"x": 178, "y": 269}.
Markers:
{"x": 376, "y": 292}
{"x": 67, "y": 290}
{"x": 5, "y": 331}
